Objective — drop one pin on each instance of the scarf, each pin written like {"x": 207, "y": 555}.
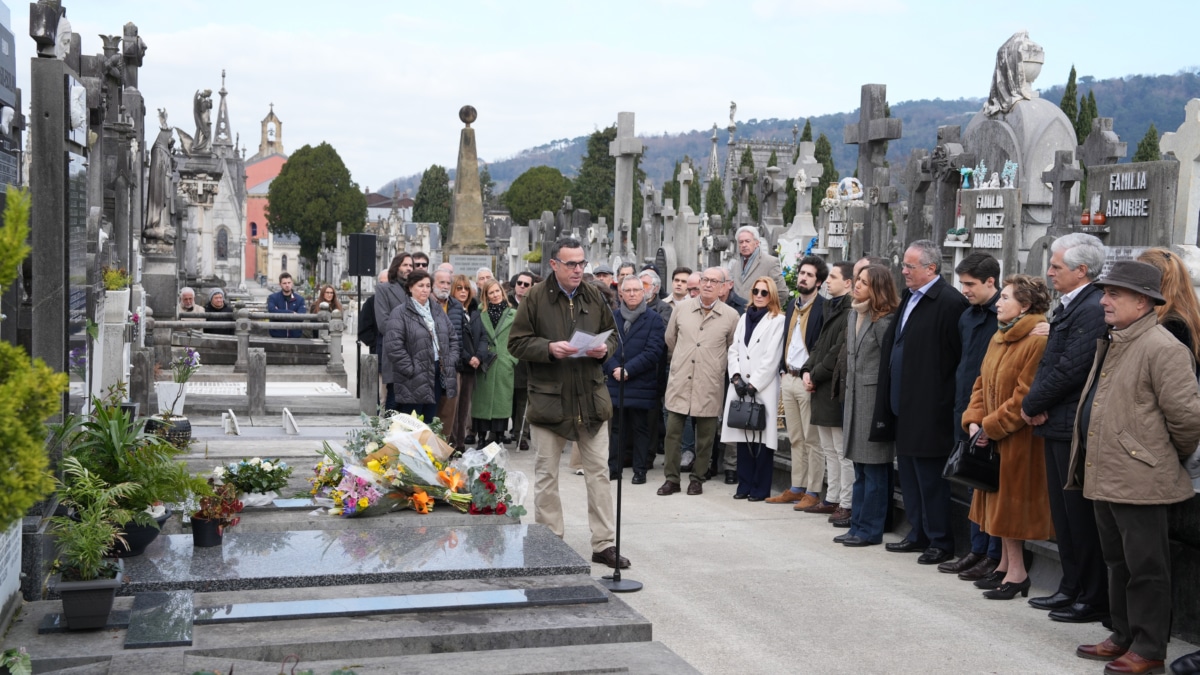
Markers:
{"x": 632, "y": 315}
{"x": 1004, "y": 328}
{"x": 753, "y": 316}
{"x": 494, "y": 313}
{"x": 862, "y": 308}
{"x": 427, "y": 314}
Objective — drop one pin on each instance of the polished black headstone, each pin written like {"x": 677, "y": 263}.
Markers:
{"x": 160, "y": 619}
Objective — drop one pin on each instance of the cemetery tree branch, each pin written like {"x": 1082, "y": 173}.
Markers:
{"x": 541, "y": 188}
{"x": 312, "y": 194}
{"x": 1147, "y": 149}
{"x": 594, "y": 186}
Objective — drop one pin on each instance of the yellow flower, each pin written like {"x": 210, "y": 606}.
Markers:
{"x": 362, "y": 502}
{"x": 374, "y": 465}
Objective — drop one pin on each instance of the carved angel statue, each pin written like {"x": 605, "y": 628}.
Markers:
{"x": 732, "y": 112}
{"x": 202, "y": 111}
{"x": 1018, "y": 63}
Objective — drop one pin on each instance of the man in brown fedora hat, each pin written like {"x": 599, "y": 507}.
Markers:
{"x": 1139, "y": 418}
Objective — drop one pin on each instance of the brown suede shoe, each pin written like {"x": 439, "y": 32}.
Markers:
{"x": 1132, "y": 664}
{"x": 785, "y": 497}
{"x": 668, "y": 488}
{"x": 609, "y": 557}
{"x": 695, "y": 487}
{"x": 806, "y": 501}
{"x": 822, "y": 508}
{"x": 1104, "y": 651}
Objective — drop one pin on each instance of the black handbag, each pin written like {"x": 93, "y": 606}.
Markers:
{"x": 747, "y": 415}
{"x": 973, "y": 465}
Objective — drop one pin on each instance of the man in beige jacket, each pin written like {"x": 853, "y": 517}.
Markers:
{"x": 698, "y": 338}
{"x": 1138, "y": 420}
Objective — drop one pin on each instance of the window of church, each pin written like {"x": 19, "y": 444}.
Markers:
{"x": 222, "y": 244}
{"x": 284, "y": 263}
{"x": 253, "y": 229}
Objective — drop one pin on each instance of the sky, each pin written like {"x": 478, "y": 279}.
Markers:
{"x": 382, "y": 82}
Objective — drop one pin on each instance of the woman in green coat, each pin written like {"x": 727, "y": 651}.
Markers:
{"x": 491, "y": 404}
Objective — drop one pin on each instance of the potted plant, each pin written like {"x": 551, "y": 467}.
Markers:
{"x": 87, "y": 579}
{"x": 218, "y": 511}
{"x": 117, "y": 448}
{"x": 116, "y": 294}
{"x": 15, "y": 661}
{"x": 170, "y": 422}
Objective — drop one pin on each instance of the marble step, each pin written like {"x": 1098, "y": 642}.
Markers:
{"x": 384, "y": 640}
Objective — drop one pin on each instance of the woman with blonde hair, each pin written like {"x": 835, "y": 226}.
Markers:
{"x": 874, "y": 302}
{"x": 1181, "y": 313}
{"x": 754, "y": 372}
{"x": 1020, "y": 508}
{"x": 460, "y": 437}
{"x": 491, "y": 403}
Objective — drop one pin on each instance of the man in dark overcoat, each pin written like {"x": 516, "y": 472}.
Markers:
{"x": 915, "y": 404}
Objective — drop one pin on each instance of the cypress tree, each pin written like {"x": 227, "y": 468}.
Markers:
{"x": 823, "y": 153}
{"x": 714, "y": 199}
{"x": 1147, "y": 149}
{"x": 1083, "y": 124}
{"x": 806, "y": 135}
{"x": 1068, "y": 103}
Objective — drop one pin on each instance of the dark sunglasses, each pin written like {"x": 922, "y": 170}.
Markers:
{"x": 425, "y": 264}
{"x": 760, "y": 291}
{"x": 524, "y": 283}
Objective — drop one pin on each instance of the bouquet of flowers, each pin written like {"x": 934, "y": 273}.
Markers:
{"x": 407, "y": 463}
{"x": 327, "y": 473}
{"x": 354, "y": 495}
{"x": 255, "y": 479}
{"x": 491, "y": 487}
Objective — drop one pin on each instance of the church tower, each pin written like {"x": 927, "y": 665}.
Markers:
{"x": 271, "y": 142}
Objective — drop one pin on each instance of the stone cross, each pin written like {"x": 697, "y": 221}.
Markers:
{"x": 1063, "y": 177}
{"x": 879, "y": 197}
{"x": 917, "y": 178}
{"x": 686, "y": 176}
{"x": 626, "y": 149}
{"x": 812, "y": 170}
{"x": 1102, "y": 145}
{"x": 1184, "y": 144}
{"x": 948, "y": 157}
{"x": 872, "y": 131}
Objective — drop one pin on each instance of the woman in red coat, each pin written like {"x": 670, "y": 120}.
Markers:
{"x": 1020, "y": 509}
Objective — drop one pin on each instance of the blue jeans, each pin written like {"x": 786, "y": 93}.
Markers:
{"x": 981, "y": 542}
{"x": 870, "y": 501}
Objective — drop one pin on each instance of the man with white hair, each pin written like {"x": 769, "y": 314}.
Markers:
{"x": 753, "y": 262}
{"x": 187, "y": 304}
{"x": 650, "y": 286}
{"x": 482, "y": 276}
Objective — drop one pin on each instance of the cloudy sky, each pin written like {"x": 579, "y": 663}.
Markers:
{"x": 383, "y": 81}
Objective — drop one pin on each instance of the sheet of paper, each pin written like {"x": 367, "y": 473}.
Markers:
{"x": 585, "y": 341}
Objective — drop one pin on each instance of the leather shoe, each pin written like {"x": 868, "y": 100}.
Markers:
{"x": 523, "y": 445}
{"x": 933, "y": 556}
{"x": 695, "y": 487}
{"x": 806, "y": 501}
{"x": 1132, "y": 663}
{"x": 755, "y": 499}
{"x": 638, "y": 478}
{"x": 855, "y": 541}
{"x": 609, "y": 557}
{"x": 843, "y": 519}
{"x": 823, "y": 508}
{"x": 668, "y": 488}
{"x": 740, "y": 495}
{"x": 1078, "y": 613}
{"x": 982, "y": 569}
{"x": 786, "y": 497}
{"x": 841, "y": 538}
{"x": 962, "y": 564}
{"x": 839, "y": 514}
{"x": 991, "y": 581}
{"x": 904, "y": 546}
{"x": 730, "y": 477}
{"x": 1188, "y": 663}
{"x": 1056, "y": 601}
{"x": 1104, "y": 651}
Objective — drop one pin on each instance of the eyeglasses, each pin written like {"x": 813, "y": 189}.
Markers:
{"x": 693, "y": 289}
{"x": 710, "y": 280}
{"x": 910, "y": 267}
{"x": 647, "y": 285}
{"x": 760, "y": 291}
{"x": 420, "y": 265}
{"x": 572, "y": 264}
{"x": 524, "y": 283}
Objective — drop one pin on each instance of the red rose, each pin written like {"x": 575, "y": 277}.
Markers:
{"x": 472, "y": 509}
{"x": 485, "y": 476}
{"x": 491, "y": 487}
{"x": 501, "y": 509}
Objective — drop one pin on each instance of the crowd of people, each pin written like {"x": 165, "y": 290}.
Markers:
{"x": 1091, "y": 408}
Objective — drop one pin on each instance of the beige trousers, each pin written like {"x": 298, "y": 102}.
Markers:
{"x": 593, "y": 452}
{"x": 839, "y": 469}
{"x": 808, "y": 462}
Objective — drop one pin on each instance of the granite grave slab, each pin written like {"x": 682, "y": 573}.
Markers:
{"x": 301, "y": 559}
{"x": 161, "y": 619}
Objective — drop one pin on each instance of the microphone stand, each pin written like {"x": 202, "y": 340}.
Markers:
{"x": 614, "y": 582}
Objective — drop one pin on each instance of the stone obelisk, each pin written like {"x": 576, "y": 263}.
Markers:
{"x": 467, "y": 236}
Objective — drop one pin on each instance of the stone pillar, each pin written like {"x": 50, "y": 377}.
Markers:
{"x": 626, "y": 149}
{"x": 467, "y": 236}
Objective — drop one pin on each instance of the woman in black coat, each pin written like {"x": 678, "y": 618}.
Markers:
{"x": 460, "y": 433}
{"x": 422, "y": 349}
{"x": 641, "y": 347}
{"x": 387, "y": 297}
